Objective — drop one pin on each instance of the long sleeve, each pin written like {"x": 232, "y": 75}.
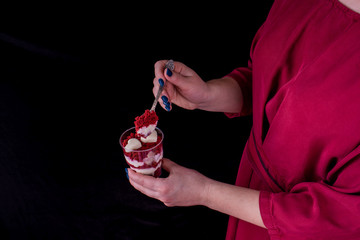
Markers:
{"x": 328, "y": 209}
{"x": 243, "y": 76}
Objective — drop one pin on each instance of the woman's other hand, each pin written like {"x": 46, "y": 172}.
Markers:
{"x": 183, "y": 186}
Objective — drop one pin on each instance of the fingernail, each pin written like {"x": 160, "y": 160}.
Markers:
{"x": 161, "y": 82}
{"x": 127, "y": 174}
{"x": 169, "y": 72}
{"x": 165, "y": 99}
{"x": 167, "y": 107}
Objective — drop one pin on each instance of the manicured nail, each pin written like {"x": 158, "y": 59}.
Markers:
{"x": 165, "y": 99}
{"x": 167, "y": 107}
{"x": 169, "y": 72}
{"x": 127, "y": 174}
{"x": 161, "y": 82}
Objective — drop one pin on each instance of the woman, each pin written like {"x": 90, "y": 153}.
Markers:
{"x": 299, "y": 173}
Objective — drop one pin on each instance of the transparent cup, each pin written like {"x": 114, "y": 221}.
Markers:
{"x": 145, "y": 161}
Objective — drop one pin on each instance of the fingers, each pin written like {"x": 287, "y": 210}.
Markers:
{"x": 178, "y": 68}
{"x": 169, "y": 89}
{"x": 148, "y": 185}
{"x": 159, "y": 69}
{"x": 177, "y": 76}
{"x": 183, "y": 187}
{"x": 175, "y": 80}
{"x": 153, "y": 187}
{"x": 165, "y": 99}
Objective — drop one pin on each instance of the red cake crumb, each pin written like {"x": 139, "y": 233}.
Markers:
{"x": 149, "y": 117}
{"x": 135, "y": 155}
{"x": 131, "y": 135}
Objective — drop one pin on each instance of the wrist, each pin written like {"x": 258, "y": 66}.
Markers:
{"x": 206, "y": 192}
{"x": 222, "y": 95}
{"x": 210, "y": 95}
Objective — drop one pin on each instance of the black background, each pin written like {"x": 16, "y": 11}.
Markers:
{"x": 74, "y": 77}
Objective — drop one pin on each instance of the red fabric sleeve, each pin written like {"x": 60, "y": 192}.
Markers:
{"x": 243, "y": 75}
{"x": 323, "y": 210}
{"x": 244, "y": 78}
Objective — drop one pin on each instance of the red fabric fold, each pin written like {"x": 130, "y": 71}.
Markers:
{"x": 303, "y": 91}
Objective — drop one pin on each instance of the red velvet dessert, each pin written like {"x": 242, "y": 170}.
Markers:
{"x": 146, "y": 123}
{"x": 143, "y": 155}
{"x": 142, "y": 145}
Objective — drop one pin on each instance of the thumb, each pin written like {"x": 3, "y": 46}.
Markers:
{"x": 179, "y": 76}
{"x": 168, "y": 165}
{"x": 175, "y": 78}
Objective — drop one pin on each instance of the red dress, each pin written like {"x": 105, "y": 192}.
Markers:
{"x": 302, "y": 87}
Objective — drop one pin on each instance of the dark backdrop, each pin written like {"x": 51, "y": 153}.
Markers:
{"x": 73, "y": 78}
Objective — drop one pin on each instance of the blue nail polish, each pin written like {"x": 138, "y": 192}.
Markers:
{"x": 127, "y": 174}
{"x": 169, "y": 72}
{"x": 165, "y": 99}
{"x": 168, "y": 106}
{"x": 161, "y": 82}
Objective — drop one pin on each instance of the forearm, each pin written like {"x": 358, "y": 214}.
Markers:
{"x": 224, "y": 95}
{"x": 242, "y": 203}
{"x": 187, "y": 187}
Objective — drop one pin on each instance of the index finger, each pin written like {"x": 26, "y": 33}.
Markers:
{"x": 159, "y": 69}
{"x": 145, "y": 181}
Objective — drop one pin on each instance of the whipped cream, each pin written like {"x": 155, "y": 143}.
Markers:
{"x": 132, "y": 144}
{"x": 151, "y": 138}
{"x": 134, "y": 162}
{"x": 146, "y": 131}
{"x": 149, "y": 159}
{"x": 147, "y": 171}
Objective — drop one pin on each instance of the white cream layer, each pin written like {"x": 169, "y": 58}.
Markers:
{"x": 151, "y": 138}
{"x": 133, "y": 162}
{"x": 150, "y": 158}
{"x": 146, "y": 131}
{"x": 147, "y": 171}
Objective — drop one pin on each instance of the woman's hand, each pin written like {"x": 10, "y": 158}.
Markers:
{"x": 183, "y": 186}
{"x": 187, "y": 187}
{"x": 186, "y": 89}
{"x": 183, "y": 86}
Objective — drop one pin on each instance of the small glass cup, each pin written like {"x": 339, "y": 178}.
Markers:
{"x": 146, "y": 161}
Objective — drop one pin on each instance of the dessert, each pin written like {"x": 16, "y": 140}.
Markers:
{"x": 146, "y": 123}
{"x": 144, "y": 152}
